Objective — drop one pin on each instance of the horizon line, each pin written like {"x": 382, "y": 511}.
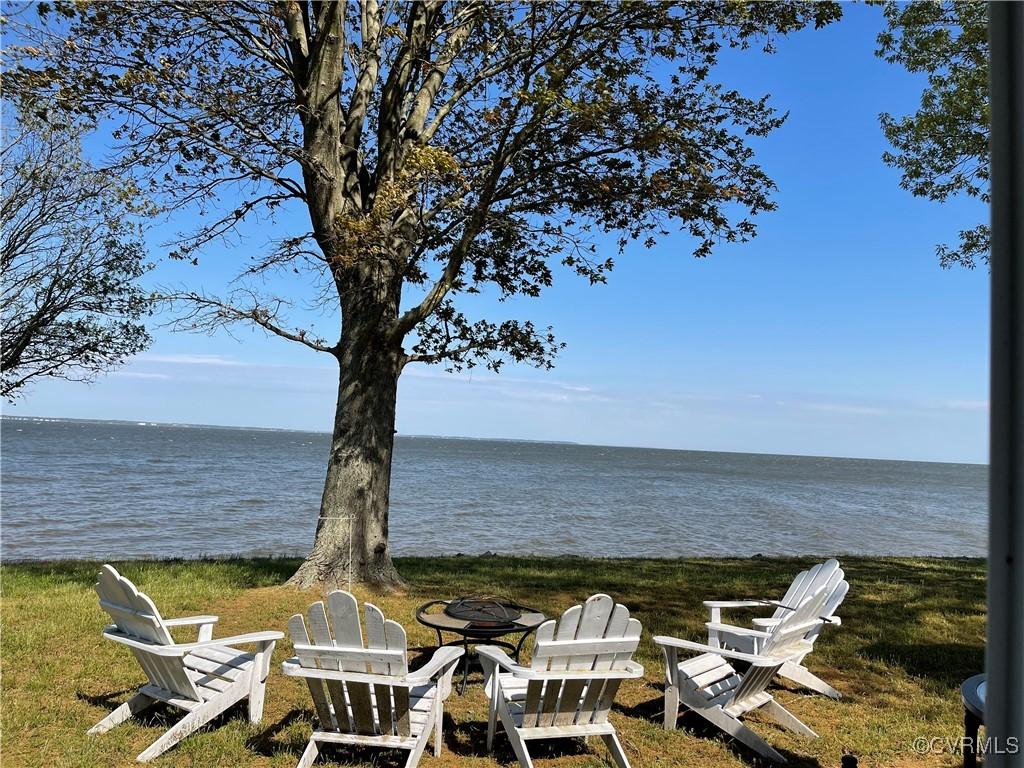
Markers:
{"x": 146, "y": 422}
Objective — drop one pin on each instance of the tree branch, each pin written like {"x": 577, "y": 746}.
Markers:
{"x": 207, "y": 313}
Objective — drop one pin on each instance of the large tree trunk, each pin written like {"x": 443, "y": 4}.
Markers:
{"x": 352, "y": 532}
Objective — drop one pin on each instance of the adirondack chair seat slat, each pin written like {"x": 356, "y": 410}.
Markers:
{"x": 169, "y": 697}
{"x": 577, "y": 665}
{"x": 716, "y": 671}
{"x": 208, "y": 685}
{"x": 230, "y": 669}
{"x": 201, "y": 678}
{"x": 514, "y": 687}
{"x": 363, "y": 691}
{"x": 223, "y": 655}
{"x": 703, "y": 663}
{"x": 747, "y": 705}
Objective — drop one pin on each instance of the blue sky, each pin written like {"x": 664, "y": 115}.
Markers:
{"x": 834, "y": 332}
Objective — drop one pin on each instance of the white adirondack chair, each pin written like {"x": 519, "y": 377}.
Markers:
{"x": 577, "y": 666}
{"x": 203, "y": 678}
{"x": 365, "y": 694}
{"x": 720, "y": 693}
{"x": 828, "y": 575}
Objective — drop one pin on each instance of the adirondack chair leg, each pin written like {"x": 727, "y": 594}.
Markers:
{"x": 193, "y": 721}
{"x": 741, "y": 733}
{"x": 803, "y": 676}
{"x": 136, "y": 704}
{"x": 492, "y": 710}
{"x": 308, "y": 755}
{"x": 258, "y": 681}
{"x": 518, "y": 745}
{"x": 716, "y": 618}
{"x": 421, "y": 744}
{"x": 438, "y": 724}
{"x": 671, "y": 707}
{"x": 671, "y": 689}
{"x": 787, "y": 719}
{"x": 492, "y": 718}
{"x": 618, "y": 753}
{"x": 257, "y": 692}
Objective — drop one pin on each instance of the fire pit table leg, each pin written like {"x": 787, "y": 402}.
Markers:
{"x": 465, "y": 666}
{"x": 970, "y": 745}
{"x": 519, "y": 645}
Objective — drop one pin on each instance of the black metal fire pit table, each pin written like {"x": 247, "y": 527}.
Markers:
{"x": 479, "y": 618}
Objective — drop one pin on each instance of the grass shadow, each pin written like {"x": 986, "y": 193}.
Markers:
{"x": 267, "y": 743}
{"x": 241, "y": 572}
{"x": 937, "y": 665}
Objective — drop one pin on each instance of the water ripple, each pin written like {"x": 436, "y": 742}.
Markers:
{"x": 110, "y": 490}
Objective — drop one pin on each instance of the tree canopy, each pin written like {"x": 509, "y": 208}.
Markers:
{"x": 466, "y": 145}
{"x": 942, "y": 149}
{"x": 70, "y": 254}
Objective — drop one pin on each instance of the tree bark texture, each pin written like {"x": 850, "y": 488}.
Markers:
{"x": 351, "y": 542}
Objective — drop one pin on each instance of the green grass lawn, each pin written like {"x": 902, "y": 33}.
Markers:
{"x": 913, "y": 629}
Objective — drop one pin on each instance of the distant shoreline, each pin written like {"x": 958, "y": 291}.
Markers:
{"x": 183, "y": 425}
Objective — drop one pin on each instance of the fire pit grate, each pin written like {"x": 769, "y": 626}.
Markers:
{"x": 484, "y": 611}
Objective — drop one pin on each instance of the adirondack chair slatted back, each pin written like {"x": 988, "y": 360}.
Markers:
{"x": 794, "y": 628}
{"x": 807, "y": 582}
{"x": 352, "y": 706}
{"x": 134, "y": 614}
{"x": 835, "y": 594}
{"x": 596, "y": 636}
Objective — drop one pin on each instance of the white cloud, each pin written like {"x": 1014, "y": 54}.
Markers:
{"x": 859, "y": 410}
{"x": 187, "y": 359}
{"x": 139, "y": 375}
{"x": 519, "y": 388}
{"x": 966, "y": 405}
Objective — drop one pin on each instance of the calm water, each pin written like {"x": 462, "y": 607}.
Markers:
{"x": 74, "y": 489}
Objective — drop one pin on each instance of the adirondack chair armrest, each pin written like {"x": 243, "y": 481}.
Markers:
{"x": 261, "y": 639}
{"x": 729, "y": 629}
{"x": 205, "y": 625}
{"x": 181, "y": 649}
{"x": 630, "y": 669}
{"x": 439, "y": 663}
{"x": 715, "y": 606}
{"x": 185, "y": 621}
{"x": 688, "y": 645}
{"x": 766, "y": 624}
{"x": 634, "y": 669}
{"x": 495, "y": 658}
{"x": 734, "y": 603}
{"x": 157, "y": 649}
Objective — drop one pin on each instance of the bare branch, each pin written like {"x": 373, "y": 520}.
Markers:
{"x": 208, "y": 313}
